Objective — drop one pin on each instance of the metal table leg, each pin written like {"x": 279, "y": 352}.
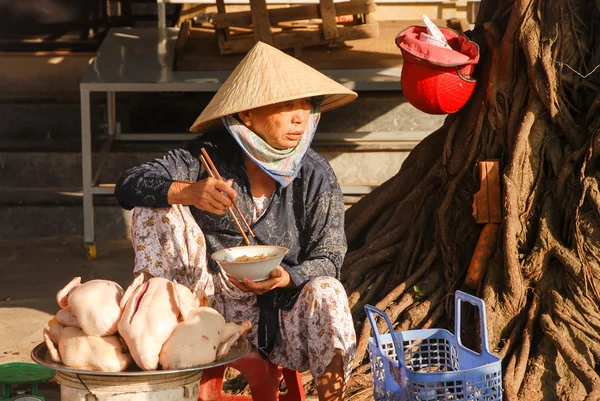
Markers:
{"x": 111, "y": 131}
{"x": 111, "y": 114}
{"x": 86, "y": 169}
{"x": 162, "y": 15}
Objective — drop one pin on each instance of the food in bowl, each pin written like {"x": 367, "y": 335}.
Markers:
{"x": 244, "y": 258}
{"x": 254, "y": 262}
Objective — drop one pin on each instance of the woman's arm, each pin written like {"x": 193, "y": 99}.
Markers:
{"x": 210, "y": 194}
{"x": 324, "y": 254}
{"x": 325, "y": 251}
{"x": 149, "y": 183}
{"x": 173, "y": 180}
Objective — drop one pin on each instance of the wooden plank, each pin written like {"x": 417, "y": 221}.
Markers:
{"x": 235, "y": 45}
{"x": 295, "y": 13}
{"x": 183, "y": 35}
{"x": 494, "y": 191}
{"x": 221, "y": 7}
{"x": 330, "y": 30}
{"x": 276, "y": 15}
{"x": 221, "y": 33}
{"x": 202, "y": 54}
{"x": 182, "y": 38}
{"x": 487, "y": 207}
{"x": 287, "y": 40}
{"x": 203, "y": 33}
{"x": 481, "y": 257}
{"x": 260, "y": 21}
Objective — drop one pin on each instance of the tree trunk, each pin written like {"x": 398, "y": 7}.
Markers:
{"x": 536, "y": 109}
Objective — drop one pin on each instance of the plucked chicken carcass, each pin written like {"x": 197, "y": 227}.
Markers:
{"x": 151, "y": 312}
{"x": 202, "y": 337}
{"x": 81, "y": 351}
{"x": 92, "y": 306}
{"x": 152, "y": 322}
{"x": 83, "y": 334}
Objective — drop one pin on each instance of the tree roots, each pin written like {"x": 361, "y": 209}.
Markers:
{"x": 411, "y": 239}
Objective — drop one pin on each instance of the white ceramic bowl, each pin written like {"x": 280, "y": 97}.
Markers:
{"x": 255, "y": 270}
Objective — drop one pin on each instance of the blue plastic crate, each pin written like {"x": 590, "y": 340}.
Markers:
{"x": 434, "y": 365}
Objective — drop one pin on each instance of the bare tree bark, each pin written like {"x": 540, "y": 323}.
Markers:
{"x": 536, "y": 109}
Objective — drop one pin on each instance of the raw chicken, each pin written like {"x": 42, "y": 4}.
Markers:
{"x": 202, "y": 337}
{"x": 151, "y": 311}
{"x": 80, "y": 351}
{"x": 92, "y": 306}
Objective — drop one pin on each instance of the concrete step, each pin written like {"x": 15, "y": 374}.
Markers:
{"x": 26, "y": 197}
{"x": 41, "y": 191}
{"x": 58, "y": 212}
{"x": 27, "y": 221}
{"x": 40, "y": 161}
{"x": 357, "y": 158}
{"x": 60, "y": 169}
{"x": 49, "y": 124}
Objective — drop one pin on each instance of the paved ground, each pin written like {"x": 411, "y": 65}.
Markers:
{"x": 31, "y": 272}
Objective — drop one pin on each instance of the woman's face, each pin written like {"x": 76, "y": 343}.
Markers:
{"x": 280, "y": 125}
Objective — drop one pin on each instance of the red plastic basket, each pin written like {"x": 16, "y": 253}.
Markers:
{"x": 434, "y": 79}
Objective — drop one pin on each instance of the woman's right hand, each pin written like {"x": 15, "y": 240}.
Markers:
{"x": 209, "y": 194}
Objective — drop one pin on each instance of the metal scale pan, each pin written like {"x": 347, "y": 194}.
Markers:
{"x": 41, "y": 356}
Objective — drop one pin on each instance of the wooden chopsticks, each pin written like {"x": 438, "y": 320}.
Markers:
{"x": 214, "y": 173}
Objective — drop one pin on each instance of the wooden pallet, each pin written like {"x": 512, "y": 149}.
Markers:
{"x": 293, "y": 27}
{"x": 201, "y": 52}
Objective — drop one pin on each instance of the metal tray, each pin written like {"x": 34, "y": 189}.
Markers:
{"x": 41, "y": 356}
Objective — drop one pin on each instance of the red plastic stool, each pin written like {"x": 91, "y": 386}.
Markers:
{"x": 262, "y": 376}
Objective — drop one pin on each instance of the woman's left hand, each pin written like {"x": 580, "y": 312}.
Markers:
{"x": 279, "y": 278}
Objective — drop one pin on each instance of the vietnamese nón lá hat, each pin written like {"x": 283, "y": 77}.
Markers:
{"x": 268, "y": 76}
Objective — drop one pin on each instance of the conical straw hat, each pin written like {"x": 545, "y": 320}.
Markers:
{"x": 268, "y": 76}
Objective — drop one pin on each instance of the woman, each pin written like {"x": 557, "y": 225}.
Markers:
{"x": 269, "y": 109}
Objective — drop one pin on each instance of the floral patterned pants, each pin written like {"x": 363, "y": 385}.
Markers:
{"x": 169, "y": 243}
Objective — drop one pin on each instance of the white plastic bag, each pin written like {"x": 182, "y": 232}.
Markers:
{"x": 433, "y": 36}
